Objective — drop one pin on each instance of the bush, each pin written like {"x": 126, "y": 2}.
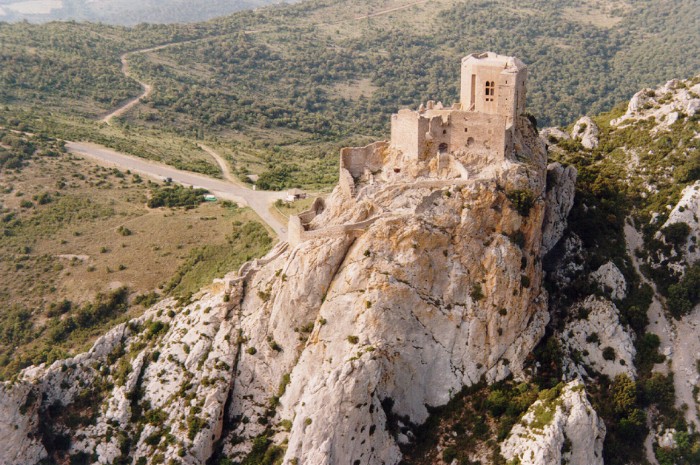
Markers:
{"x": 476, "y": 293}
{"x": 176, "y": 196}
{"x": 609, "y": 353}
{"x": 522, "y": 201}
{"x": 676, "y": 234}
{"x": 682, "y": 297}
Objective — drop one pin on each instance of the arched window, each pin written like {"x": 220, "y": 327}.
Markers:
{"x": 442, "y": 148}
{"x": 490, "y": 90}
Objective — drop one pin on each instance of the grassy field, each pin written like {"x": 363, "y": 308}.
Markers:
{"x": 74, "y": 232}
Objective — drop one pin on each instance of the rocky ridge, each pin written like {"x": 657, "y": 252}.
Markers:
{"x": 355, "y": 331}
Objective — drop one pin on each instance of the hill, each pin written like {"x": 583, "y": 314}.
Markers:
{"x": 513, "y": 315}
{"x": 123, "y": 12}
{"x": 281, "y": 89}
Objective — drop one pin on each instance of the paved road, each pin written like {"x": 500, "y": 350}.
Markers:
{"x": 259, "y": 201}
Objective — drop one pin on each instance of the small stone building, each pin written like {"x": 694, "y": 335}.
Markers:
{"x": 492, "y": 96}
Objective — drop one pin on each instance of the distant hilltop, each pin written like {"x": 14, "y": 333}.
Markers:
{"x": 124, "y": 12}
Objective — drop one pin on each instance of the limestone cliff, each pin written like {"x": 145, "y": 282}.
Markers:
{"x": 316, "y": 351}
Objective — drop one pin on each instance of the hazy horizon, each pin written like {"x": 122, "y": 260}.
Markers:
{"x": 124, "y": 12}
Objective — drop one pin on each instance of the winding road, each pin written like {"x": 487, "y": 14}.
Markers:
{"x": 229, "y": 188}
{"x": 259, "y": 201}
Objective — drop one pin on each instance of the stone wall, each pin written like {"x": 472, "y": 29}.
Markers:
{"x": 423, "y": 135}
{"x": 295, "y": 231}
{"x": 357, "y": 161}
{"x": 408, "y": 132}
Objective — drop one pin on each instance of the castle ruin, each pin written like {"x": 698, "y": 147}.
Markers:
{"x": 492, "y": 96}
{"x": 479, "y": 130}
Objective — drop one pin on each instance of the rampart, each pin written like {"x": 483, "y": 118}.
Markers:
{"x": 357, "y": 161}
{"x": 298, "y": 224}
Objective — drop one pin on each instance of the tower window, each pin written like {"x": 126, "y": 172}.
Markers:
{"x": 490, "y": 91}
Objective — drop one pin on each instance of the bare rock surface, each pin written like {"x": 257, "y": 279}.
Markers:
{"x": 587, "y": 132}
{"x": 595, "y": 333}
{"x": 561, "y": 188}
{"x": 663, "y": 104}
{"x": 561, "y": 427}
{"x": 317, "y": 347}
{"x": 611, "y": 280}
{"x": 553, "y": 134}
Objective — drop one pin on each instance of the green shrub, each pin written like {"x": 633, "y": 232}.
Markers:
{"x": 176, "y": 196}
{"x": 608, "y": 353}
{"x": 676, "y": 234}
{"x": 682, "y": 297}
{"x": 523, "y": 200}
{"x": 476, "y": 292}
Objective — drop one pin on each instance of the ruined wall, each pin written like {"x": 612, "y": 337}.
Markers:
{"x": 450, "y": 131}
{"x": 478, "y": 133}
{"x": 356, "y": 161}
{"x": 294, "y": 231}
{"x": 408, "y": 132}
{"x": 298, "y": 224}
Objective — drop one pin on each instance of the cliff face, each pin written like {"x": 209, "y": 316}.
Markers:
{"x": 325, "y": 352}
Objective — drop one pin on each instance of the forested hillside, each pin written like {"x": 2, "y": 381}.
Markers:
{"x": 280, "y": 89}
{"x": 125, "y": 12}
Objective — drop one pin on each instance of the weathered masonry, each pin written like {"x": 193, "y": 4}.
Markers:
{"x": 464, "y": 139}
{"x": 492, "y": 96}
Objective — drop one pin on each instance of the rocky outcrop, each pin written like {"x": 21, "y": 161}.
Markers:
{"x": 664, "y": 104}
{"x": 316, "y": 349}
{"x": 596, "y": 339}
{"x": 611, "y": 280}
{"x": 561, "y": 188}
{"x": 587, "y": 132}
{"x": 18, "y": 416}
{"x": 553, "y": 135}
{"x": 561, "y": 427}
{"x": 687, "y": 211}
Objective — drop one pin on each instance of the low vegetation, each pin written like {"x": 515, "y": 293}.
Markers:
{"x": 87, "y": 234}
{"x": 176, "y": 196}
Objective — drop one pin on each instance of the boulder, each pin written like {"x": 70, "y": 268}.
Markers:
{"x": 587, "y": 132}
{"x": 611, "y": 280}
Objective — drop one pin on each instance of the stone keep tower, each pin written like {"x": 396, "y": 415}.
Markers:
{"x": 493, "y": 84}
{"x": 481, "y": 125}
